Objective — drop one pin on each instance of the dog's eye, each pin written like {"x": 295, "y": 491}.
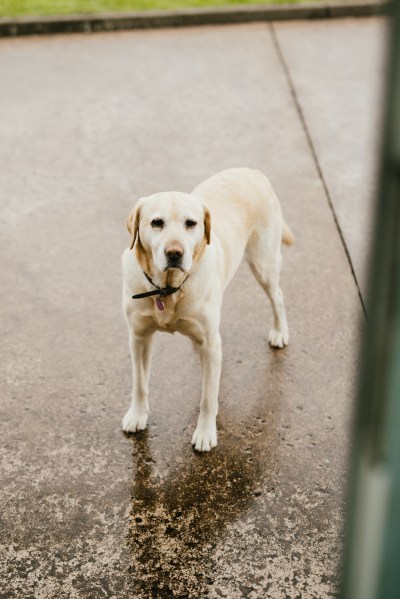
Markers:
{"x": 190, "y": 223}
{"x": 157, "y": 223}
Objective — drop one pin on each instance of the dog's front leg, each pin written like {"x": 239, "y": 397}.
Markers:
{"x": 205, "y": 435}
{"x": 136, "y": 417}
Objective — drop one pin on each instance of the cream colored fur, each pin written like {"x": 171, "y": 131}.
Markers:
{"x": 236, "y": 212}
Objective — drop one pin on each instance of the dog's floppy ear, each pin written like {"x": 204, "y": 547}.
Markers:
{"x": 133, "y": 222}
{"x": 207, "y": 225}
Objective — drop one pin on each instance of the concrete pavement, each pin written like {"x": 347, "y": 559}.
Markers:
{"x": 92, "y": 123}
{"x": 342, "y": 118}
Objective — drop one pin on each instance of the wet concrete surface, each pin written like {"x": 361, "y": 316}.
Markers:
{"x": 92, "y": 123}
{"x": 344, "y": 124}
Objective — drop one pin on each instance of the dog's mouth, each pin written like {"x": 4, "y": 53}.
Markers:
{"x": 174, "y": 264}
{"x": 174, "y": 267}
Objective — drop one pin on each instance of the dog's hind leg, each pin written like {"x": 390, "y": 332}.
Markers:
{"x": 263, "y": 254}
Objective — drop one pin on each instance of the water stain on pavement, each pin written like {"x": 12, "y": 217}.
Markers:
{"x": 175, "y": 523}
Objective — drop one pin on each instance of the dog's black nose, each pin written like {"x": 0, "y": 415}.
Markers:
{"x": 174, "y": 252}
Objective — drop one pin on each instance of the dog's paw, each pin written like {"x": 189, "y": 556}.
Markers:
{"x": 204, "y": 439}
{"x": 134, "y": 421}
{"x": 278, "y": 338}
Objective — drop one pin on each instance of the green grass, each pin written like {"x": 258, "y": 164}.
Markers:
{"x": 15, "y": 8}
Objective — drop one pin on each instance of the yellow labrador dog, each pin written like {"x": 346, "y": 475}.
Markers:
{"x": 185, "y": 250}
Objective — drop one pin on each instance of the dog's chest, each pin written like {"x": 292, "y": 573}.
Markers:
{"x": 167, "y": 318}
{"x": 172, "y": 321}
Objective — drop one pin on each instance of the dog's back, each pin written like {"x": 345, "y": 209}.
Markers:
{"x": 242, "y": 204}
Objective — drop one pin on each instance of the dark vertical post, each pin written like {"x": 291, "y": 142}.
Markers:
{"x": 372, "y": 553}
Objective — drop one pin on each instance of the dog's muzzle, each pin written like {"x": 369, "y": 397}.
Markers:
{"x": 174, "y": 255}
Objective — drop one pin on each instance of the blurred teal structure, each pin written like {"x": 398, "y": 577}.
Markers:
{"x": 372, "y": 556}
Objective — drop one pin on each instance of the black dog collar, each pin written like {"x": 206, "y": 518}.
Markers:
{"x": 162, "y": 292}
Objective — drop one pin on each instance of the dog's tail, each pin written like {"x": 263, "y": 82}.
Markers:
{"x": 287, "y": 235}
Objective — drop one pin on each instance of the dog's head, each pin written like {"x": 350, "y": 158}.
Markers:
{"x": 170, "y": 231}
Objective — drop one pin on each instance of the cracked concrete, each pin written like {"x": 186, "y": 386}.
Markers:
{"x": 92, "y": 122}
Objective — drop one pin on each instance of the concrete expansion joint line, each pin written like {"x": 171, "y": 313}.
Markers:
{"x": 315, "y": 157}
